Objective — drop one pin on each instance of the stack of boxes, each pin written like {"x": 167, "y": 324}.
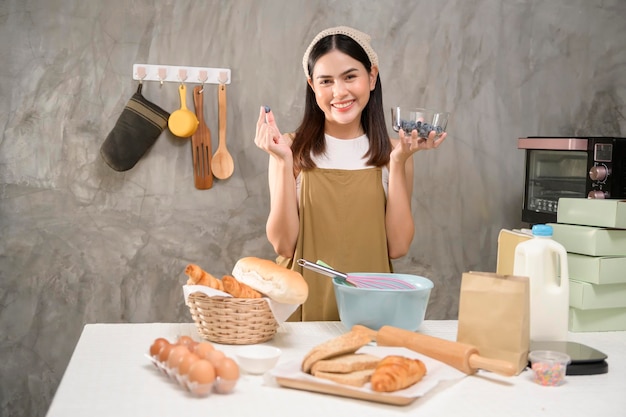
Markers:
{"x": 593, "y": 233}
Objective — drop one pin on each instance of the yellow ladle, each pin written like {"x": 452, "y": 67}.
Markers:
{"x": 183, "y": 122}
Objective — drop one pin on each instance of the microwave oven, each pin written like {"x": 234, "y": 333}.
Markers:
{"x": 574, "y": 167}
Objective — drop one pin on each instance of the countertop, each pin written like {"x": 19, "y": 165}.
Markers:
{"x": 109, "y": 375}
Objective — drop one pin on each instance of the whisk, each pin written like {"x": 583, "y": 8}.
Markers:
{"x": 356, "y": 280}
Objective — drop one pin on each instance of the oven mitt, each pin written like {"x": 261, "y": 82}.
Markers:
{"x": 135, "y": 131}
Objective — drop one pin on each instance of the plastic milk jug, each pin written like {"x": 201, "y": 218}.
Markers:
{"x": 544, "y": 262}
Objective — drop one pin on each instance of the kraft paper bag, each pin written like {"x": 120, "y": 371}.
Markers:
{"x": 507, "y": 242}
{"x": 494, "y": 316}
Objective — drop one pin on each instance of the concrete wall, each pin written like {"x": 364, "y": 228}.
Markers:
{"x": 81, "y": 243}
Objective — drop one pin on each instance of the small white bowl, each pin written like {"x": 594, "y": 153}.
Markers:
{"x": 257, "y": 359}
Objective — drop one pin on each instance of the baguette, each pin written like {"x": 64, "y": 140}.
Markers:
{"x": 239, "y": 289}
{"x": 394, "y": 373}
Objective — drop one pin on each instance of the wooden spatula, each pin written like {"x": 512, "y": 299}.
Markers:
{"x": 201, "y": 148}
{"x": 461, "y": 356}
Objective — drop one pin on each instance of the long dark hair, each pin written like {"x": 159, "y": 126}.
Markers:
{"x": 309, "y": 136}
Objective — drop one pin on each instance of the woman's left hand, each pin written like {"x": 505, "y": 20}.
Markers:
{"x": 407, "y": 145}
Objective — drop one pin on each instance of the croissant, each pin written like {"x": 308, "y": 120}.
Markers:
{"x": 239, "y": 289}
{"x": 198, "y": 276}
{"x": 394, "y": 373}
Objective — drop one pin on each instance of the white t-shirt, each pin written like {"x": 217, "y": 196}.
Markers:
{"x": 348, "y": 154}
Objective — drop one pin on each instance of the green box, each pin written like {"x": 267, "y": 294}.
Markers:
{"x": 586, "y": 296}
{"x": 592, "y": 212}
{"x": 602, "y": 320}
{"x": 590, "y": 240}
{"x": 597, "y": 269}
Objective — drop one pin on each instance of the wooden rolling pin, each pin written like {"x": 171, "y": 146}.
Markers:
{"x": 461, "y": 356}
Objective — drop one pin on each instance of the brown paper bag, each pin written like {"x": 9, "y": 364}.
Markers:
{"x": 507, "y": 242}
{"x": 494, "y": 316}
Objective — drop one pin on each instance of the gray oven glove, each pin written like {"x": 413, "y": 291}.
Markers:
{"x": 136, "y": 130}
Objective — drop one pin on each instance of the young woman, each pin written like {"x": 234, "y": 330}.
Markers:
{"x": 340, "y": 188}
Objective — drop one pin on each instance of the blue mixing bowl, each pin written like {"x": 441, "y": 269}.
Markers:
{"x": 375, "y": 308}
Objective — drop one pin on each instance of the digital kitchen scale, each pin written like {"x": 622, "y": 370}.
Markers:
{"x": 585, "y": 360}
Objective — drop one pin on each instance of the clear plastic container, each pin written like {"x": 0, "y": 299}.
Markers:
{"x": 549, "y": 367}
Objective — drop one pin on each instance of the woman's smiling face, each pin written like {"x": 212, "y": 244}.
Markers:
{"x": 342, "y": 89}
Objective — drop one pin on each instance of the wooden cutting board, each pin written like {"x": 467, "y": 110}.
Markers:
{"x": 289, "y": 375}
{"x": 344, "y": 391}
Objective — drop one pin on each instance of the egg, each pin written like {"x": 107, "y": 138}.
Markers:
{"x": 215, "y": 357}
{"x": 177, "y": 353}
{"x": 186, "y": 341}
{"x": 156, "y": 346}
{"x": 164, "y": 353}
{"x": 186, "y": 362}
{"x": 201, "y": 377}
{"x": 203, "y": 348}
{"x": 227, "y": 372}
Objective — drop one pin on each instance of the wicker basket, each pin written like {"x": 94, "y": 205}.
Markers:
{"x": 232, "y": 321}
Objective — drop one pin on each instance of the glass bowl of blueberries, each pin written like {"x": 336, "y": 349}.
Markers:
{"x": 420, "y": 119}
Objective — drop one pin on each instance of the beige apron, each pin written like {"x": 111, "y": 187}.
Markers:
{"x": 342, "y": 222}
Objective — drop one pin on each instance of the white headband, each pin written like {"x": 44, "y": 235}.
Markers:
{"x": 361, "y": 38}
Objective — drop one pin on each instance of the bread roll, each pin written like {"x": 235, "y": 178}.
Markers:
{"x": 394, "y": 373}
{"x": 277, "y": 282}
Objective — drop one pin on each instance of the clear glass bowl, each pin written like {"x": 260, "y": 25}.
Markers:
{"x": 420, "y": 119}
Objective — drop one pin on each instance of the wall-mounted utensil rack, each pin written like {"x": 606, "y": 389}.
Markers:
{"x": 178, "y": 74}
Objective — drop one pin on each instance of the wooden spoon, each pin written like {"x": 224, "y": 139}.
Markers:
{"x": 201, "y": 148}
{"x": 222, "y": 163}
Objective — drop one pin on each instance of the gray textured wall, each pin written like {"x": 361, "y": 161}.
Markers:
{"x": 81, "y": 243}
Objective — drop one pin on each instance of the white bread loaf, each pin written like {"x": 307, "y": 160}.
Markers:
{"x": 277, "y": 282}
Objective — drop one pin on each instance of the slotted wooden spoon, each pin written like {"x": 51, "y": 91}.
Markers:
{"x": 201, "y": 148}
{"x": 222, "y": 163}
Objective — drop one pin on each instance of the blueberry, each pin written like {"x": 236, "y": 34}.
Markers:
{"x": 267, "y": 109}
{"x": 423, "y": 128}
{"x": 407, "y": 125}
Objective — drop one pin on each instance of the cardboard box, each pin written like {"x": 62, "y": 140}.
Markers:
{"x": 586, "y": 296}
{"x": 507, "y": 242}
{"x": 597, "y": 269}
{"x": 601, "y": 320}
{"x": 592, "y": 212}
{"x": 590, "y": 240}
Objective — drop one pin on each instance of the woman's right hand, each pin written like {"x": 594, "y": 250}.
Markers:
{"x": 269, "y": 138}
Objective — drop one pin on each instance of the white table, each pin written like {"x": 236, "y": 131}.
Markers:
{"x": 108, "y": 375}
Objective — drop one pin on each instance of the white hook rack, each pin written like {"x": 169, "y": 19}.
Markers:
{"x": 178, "y": 74}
